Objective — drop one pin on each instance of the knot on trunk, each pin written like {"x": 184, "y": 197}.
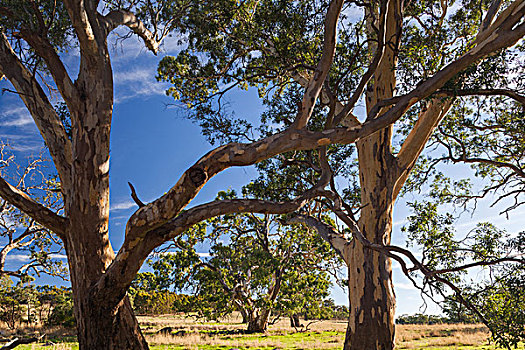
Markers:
{"x": 197, "y": 176}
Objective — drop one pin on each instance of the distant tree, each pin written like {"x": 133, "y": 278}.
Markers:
{"x": 456, "y": 312}
{"x": 257, "y": 266}
{"x": 419, "y": 319}
{"x": 10, "y": 305}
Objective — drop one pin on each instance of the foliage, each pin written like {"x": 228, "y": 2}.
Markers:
{"x": 255, "y": 263}
{"x": 62, "y": 311}
{"x": 420, "y": 319}
{"x": 435, "y": 54}
{"x": 495, "y": 296}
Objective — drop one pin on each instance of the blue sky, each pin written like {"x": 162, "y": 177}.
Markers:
{"x": 153, "y": 144}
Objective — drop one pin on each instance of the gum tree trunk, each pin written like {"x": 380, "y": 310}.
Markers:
{"x": 258, "y": 323}
{"x": 100, "y": 325}
{"x": 371, "y": 295}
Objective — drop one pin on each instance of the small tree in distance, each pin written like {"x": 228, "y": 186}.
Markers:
{"x": 256, "y": 266}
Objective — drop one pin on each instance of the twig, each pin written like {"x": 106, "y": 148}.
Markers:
{"x": 134, "y": 196}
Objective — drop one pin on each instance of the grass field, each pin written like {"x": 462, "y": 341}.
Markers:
{"x": 189, "y": 333}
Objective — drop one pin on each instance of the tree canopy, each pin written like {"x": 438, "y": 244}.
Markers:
{"x": 332, "y": 73}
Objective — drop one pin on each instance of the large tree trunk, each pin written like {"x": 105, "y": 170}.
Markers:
{"x": 371, "y": 294}
{"x": 258, "y": 322}
{"x": 101, "y": 324}
{"x": 98, "y": 325}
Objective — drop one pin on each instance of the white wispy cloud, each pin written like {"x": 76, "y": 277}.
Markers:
{"x": 16, "y": 116}
{"x": 139, "y": 82}
{"x": 122, "y": 205}
{"x": 18, "y": 257}
{"x": 58, "y": 256}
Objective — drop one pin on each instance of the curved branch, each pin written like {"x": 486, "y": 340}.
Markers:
{"x": 486, "y": 92}
{"x": 321, "y": 72}
{"x": 36, "y": 211}
{"x": 136, "y": 249}
{"x": 118, "y": 18}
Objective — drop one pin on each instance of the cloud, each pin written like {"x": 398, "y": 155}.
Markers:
{"x": 139, "y": 82}
{"x": 122, "y": 205}
{"x": 406, "y": 286}
{"x": 18, "y": 257}
{"x": 204, "y": 255}
{"x": 16, "y": 117}
{"x": 58, "y": 256}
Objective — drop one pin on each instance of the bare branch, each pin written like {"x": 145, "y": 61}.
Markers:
{"x": 126, "y": 18}
{"x": 36, "y": 211}
{"x": 20, "y": 341}
{"x": 134, "y": 196}
{"x": 485, "y": 92}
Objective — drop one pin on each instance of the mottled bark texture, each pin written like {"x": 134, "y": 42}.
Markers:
{"x": 371, "y": 294}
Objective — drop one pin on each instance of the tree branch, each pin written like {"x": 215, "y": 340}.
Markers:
{"x": 157, "y": 222}
{"x": 485, "y": 92}
{"x": 134, "y": 196}
{"x": 416, "y": 140}
{"x": 83, "y": 15}
{"x": 135, "y": 249}
{"x": 323, "y": 67}
{"x": 380, "y": 50}
{"x": 327, "y": 232}
{"x": 117, "y": 18}
{"x": 44, "y": 49}
{"x": 36, "y": 211}
{"x": 43, "y": 113}
{"x": 491, "y": 13}
{"x": 20, "y": 341}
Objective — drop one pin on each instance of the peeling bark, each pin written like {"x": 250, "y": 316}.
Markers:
{"x": 371, "y": 294}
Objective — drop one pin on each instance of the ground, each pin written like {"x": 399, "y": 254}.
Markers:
{"x": 188, "y": 333}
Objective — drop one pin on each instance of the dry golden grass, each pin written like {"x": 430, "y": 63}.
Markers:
{"x": 417, "y": 336}
{"x": 193, "y": 334}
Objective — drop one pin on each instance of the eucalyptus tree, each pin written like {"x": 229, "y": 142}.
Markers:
{"x": 410, "y": 61}
{"x": 257, "y": 265}
{"x": 264, "y": 43}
